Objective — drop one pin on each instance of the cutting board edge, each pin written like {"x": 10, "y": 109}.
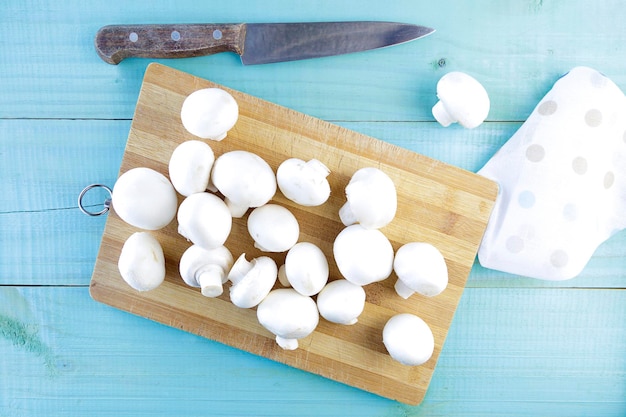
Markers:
{"x": 419, "y": 392}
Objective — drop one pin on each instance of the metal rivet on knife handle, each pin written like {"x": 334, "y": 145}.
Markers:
{"x": 115, "y": 43}
{"x": 256, "y": 43}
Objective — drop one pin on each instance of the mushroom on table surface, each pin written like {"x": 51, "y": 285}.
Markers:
{"x": 462, "y": 99}
{"x": 420, "y": 268}
{"x": 341, "y": 302}
{"x": 289, "y": 315}
{"x": 408, "y": 339}
{"x": 245, "y": 179}
{"x": 144, "y": 198}
{"x": 206, "y": 269}
{"x": 273, "y": 228}
{"x": 141, "y": 262}
{"x": 190, "y": 167}
{"x": 371, "y": 199}
{"x": 306, "y": 268}
{"x": 209, "y": 113}
{"x": 251, "y": 280}
{"x": 204, "y": 219}
{"x": 303, "y": 182}
{"x": 363, "y": 256}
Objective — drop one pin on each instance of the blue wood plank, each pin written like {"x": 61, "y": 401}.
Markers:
{"x": 509, "y": 352}
{"x": 470, "y": 150}
{"x": 77, "y": 357}
{"x": 540, "y": 352}
{"x": 44, "y": 238}
{"x": 46, "y": 163}
{"x": 516, "y": 49}
{"x": 517, "y": 346}
{"x": 47, "y": 241}
{"x": 454, "y": 145}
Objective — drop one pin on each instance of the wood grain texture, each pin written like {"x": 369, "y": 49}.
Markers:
{"x": 509, "y": 352}
{"x": 437, "y": 203}
{"x": 516, "y": 49}
{"x": 42, "y": 178}
{"x": 516, "y": 347}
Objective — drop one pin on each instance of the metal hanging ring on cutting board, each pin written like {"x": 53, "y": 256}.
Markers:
{"x": 106, "y": 204}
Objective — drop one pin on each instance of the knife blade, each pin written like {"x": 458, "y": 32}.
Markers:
{"x": 256, "y": 43}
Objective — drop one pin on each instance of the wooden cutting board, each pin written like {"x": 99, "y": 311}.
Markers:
{"x": 437, "y": 203}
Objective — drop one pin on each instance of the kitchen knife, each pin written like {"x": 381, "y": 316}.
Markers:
{"x": 256, "y": 43}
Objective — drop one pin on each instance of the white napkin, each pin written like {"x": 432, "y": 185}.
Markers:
{"x": 562, "y": 179}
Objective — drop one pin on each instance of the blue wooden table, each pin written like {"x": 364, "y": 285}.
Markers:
{"x": 517, "y": 346}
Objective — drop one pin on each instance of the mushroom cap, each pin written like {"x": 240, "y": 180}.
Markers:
{"x": 273, "y": 228}
{"x": 341, "y": 302}
{"x": 244, "y": 178}
{"x": 363, "y": 255}
{"x": 141, "y": 262}
{"x": 144, "y": 198}
{"x": 372, "y": 199}
{"x": 190, "y": 167}
{"x": 289, "y": 315}
{"x": 206, "y": 268}
{"x": 306, "y": 268}
{"x": 422, "y": 268}
{"x": 204, "y": 219}
{"x": 303, "y": 182}
{"x": 461, "y": 99}
{"x": 209, "y": 113}
{"x": 408, "y": 339}
{"x": 252, "y": 280}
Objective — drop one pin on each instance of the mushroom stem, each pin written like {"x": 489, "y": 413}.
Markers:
{"x": 239, "y": 270}
{"x": 252, "y": 281}
{"x": 236, "y": 211}
{"x": 303, "y": 182}
{"x": 210, "y": 280}
{"x": 282, "y": 277}
{"x": 261, "y": 248}
{"x": 219, "y": 137}
{"x": 318, "y": 167}
{"x": 371, "y": 199}
{"x": 441, "y": 114}
{"x": 346, "y": 215}
{"x": 287, "y": 344}
{"x": 403, "y": 290}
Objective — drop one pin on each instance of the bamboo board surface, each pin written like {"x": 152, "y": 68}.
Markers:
{"x": 437, "y": 203}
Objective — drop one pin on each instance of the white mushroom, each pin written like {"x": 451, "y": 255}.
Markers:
{"x": 462, "y": 99}
{"x": 251, "y": 280}
{"x": 303, "y": 182}
{"x": 363, "y": 255}
{"x": 289, "y": 315}
{"x": 204, "y": 219}
{"x": 372, "y": 199}
{"x": 420, "y": 268}
{"x": 341, "y": 302}
{"x": 306, "y": 268}
{"x": 190, "y": 167}
{"x": 245, "y": 180}
{"x": 282, "y": 277}
{"x": 141, "y": 262}
{"x": 144, "y": 198}
{"x": 408, "y": 339}
{"x": 206, "y": 268}
{"x": 209, "y": 113}
{"x": 273, "y": 228}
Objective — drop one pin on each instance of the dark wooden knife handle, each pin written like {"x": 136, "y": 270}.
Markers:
{"x": 116, "y": 42}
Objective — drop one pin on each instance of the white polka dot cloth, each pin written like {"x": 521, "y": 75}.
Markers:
{"x": 562, "y": 179}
